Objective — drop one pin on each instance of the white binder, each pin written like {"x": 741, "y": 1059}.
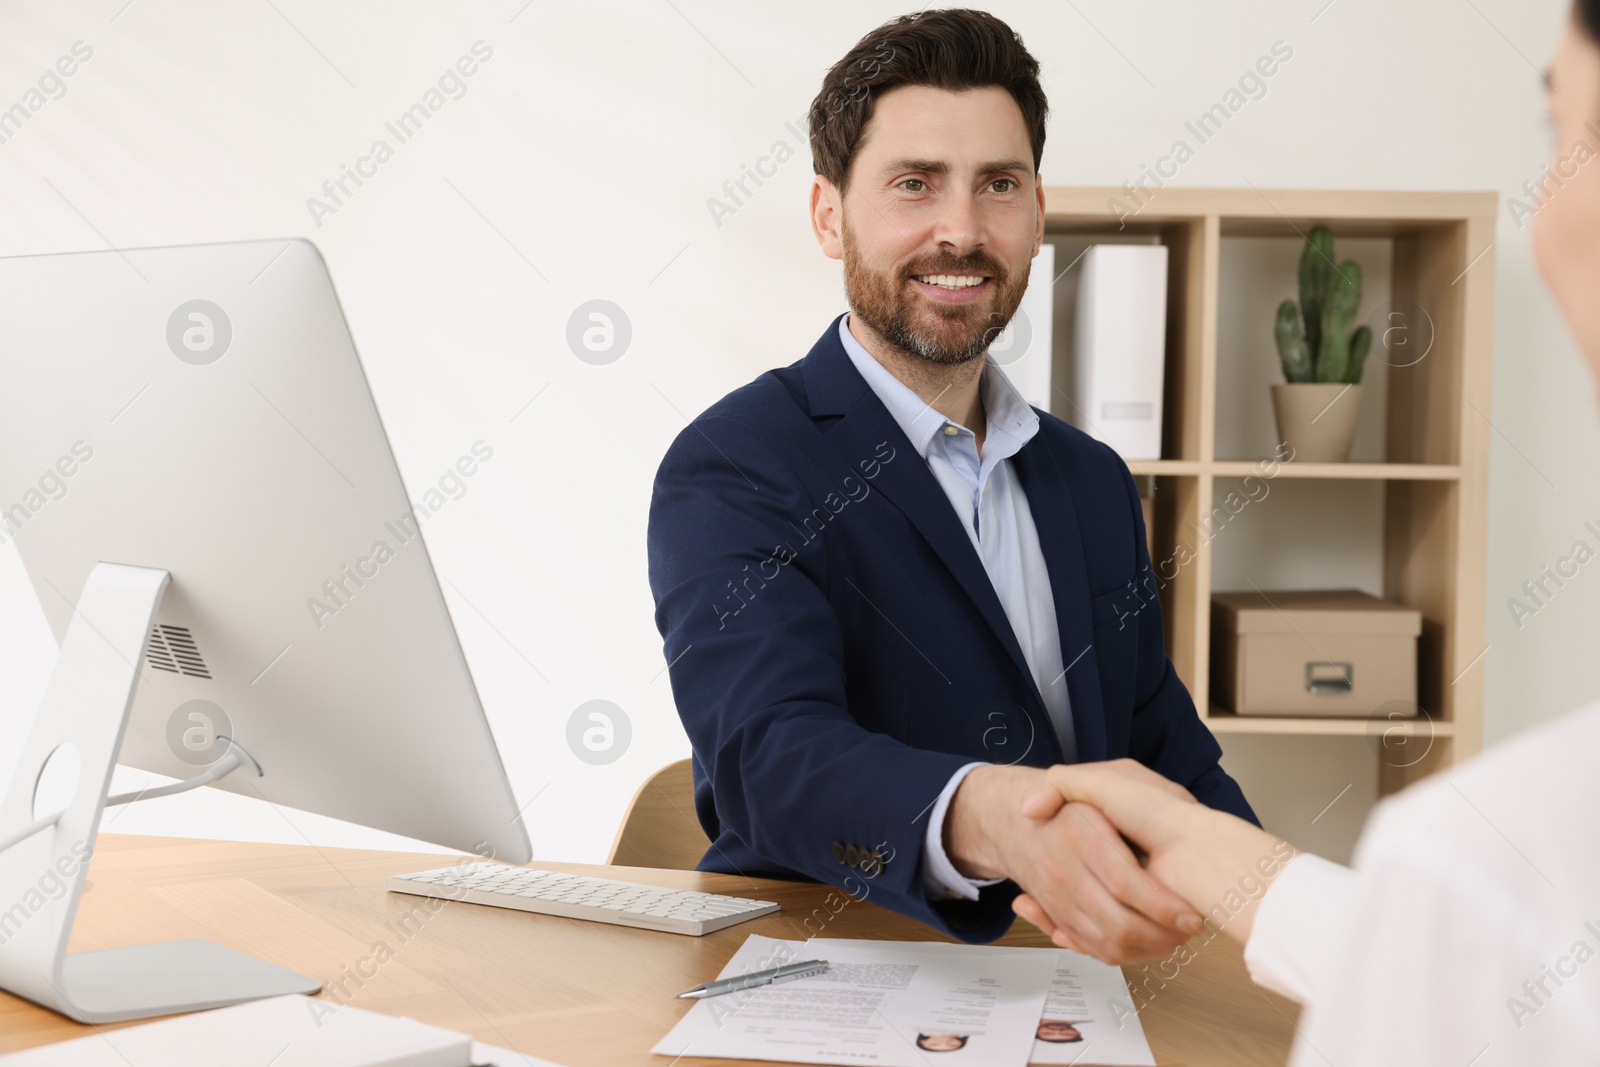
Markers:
{"x": 1121, "y": 347}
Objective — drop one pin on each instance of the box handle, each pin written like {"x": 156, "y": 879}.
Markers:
{"x": 1329, "y": 678}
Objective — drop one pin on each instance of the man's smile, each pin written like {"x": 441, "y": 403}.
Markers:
{"x": 952, "y": 288}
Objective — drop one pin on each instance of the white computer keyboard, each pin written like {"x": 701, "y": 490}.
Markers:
{"x": 574, "y": 896}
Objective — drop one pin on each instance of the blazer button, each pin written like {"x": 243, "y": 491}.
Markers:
{"x": 838, "y": 851}
{"x": 852, "y": 855}
{"x": 872, "y": 864}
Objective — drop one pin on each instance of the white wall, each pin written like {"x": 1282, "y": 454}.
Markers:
{"x": 578, "y": 166}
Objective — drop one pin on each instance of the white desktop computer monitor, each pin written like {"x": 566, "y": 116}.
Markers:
{"x": 195, "y": 476}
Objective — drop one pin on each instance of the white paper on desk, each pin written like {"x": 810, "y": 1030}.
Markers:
{"x": 1087, "y": 998}
{"x": 887, "y": 1003}
{"x": 1081, "y": 1002}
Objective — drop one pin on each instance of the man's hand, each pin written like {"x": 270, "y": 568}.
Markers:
{"x": 1200, "y": 853}
{"x": 1144, "y": 806}
{"x": 1072, "y": 863}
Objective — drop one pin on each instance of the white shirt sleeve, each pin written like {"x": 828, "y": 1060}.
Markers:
{"x": 1429, "y": 952}
{"x": 1441, "y": 942}
{"x": 940, "y": 879}
{"x": 1300, "y": 926}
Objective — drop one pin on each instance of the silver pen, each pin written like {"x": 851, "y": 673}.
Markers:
{"x": 757, "y": 978}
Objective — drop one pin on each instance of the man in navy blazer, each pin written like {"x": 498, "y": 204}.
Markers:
{"x": 841, "y": 599}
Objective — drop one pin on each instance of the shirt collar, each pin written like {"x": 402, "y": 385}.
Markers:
{"x": 1011, "y": 421}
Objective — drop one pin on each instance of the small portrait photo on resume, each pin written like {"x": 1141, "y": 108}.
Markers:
{"x": 1057, "y": 1031}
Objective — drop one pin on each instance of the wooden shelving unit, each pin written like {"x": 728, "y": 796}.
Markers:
{"x": 1435, "y": 465}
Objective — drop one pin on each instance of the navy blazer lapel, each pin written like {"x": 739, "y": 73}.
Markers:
{"x": 835, "y": 387}
{"x": 1056, "y": 518}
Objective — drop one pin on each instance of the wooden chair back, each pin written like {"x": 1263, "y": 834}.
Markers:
{"x": 660, "y": 828}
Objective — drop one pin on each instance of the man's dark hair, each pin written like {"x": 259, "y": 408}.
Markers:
{"x": 951, "y": 48}
{"x": 1588, "y": 12}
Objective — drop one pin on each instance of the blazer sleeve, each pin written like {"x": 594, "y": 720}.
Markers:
{"x": 762, "y": 694}
{"x": 1167, "y": 735}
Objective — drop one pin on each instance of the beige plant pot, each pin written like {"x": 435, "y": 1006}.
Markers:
{"x": 1316, "y": 419}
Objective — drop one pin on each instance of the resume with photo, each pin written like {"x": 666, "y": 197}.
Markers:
{"x": 890, "y": 1003}
{"x": 1088, "y": 1015}
{"x": 1081, "y": 1022}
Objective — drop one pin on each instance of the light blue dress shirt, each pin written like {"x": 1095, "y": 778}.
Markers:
{"x": 994, "y": 511}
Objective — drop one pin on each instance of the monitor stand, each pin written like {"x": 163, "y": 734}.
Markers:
{"x": 87, "y": 704}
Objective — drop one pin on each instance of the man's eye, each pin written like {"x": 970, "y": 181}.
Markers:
{"x": 1008, "y": 182}
{"x": 909, "y": 181}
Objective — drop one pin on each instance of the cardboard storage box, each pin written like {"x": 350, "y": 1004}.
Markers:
{"x": 1325, "y": 652}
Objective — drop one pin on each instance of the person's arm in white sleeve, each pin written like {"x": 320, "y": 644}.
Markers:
{"x": 1446, "y": 944}
{"x": 1300, "y": 926}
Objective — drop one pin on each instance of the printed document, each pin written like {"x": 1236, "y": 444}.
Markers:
{"x": 1088, "y": 1017}
{"x": 888, "y": 1003}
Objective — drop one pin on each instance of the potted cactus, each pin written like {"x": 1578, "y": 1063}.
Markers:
{"x": 1317, "y": 406}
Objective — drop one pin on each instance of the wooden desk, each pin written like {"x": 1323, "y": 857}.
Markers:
{"x": 578, "y": 993}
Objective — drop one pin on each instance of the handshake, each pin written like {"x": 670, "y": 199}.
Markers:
{"x": 1113, "y": 859}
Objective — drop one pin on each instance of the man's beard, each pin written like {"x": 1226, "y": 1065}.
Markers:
{"x": 944, "y": 334}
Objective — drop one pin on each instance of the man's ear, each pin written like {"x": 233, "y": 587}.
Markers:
{"x": 827, "y": 217}
{"x": 1038, "y": 235}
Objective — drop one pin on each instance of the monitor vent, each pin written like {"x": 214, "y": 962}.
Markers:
{"x": 172, "y": 648}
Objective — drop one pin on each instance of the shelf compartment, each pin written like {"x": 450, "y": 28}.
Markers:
{"x": 1188, "y": 379}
